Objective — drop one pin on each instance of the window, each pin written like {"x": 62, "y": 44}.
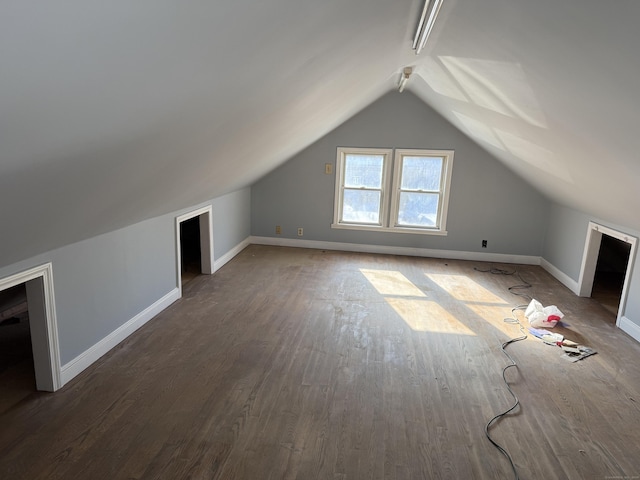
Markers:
{"x": 406, "y": 192}
{"x": 363, "y": 177}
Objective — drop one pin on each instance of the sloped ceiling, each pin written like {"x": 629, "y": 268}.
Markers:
{"x": 114, "y": 112}
{"x": 551, "y": 89}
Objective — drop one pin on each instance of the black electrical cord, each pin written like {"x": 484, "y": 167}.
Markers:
{"x": 496, "y": 271}
{"x": 515, "y": 290}
{"x": 516, "y": 400}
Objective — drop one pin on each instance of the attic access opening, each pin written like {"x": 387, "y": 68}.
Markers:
{"x": 606, "y": 268}
{"x": 194, "y": 245}
{"x": 611, "y": 270}
{"x": 190, "y": 266}
{"x": 29, "y": 326}
{"x": 17, "y": 372}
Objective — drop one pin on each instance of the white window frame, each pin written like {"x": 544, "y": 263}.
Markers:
{"x": 387, "y": 154}
{"x": 390, "y": 194}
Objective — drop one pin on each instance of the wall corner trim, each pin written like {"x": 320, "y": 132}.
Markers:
{"x": 630, "y": 328}
{"x": 89, "y": 356}
{"x": 559, "y": 275}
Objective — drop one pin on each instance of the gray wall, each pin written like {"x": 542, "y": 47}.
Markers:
{"x": 565, "y": 238}
{"x": 231, "y": 221}
{"x": 487, "y": 200}
{"x": 103, "y": 282}
{"x": 564, "y": 248}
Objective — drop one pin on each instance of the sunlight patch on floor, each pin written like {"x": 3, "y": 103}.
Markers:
{"x": 428, "y": 316}
{"x": 390, "y": 282}
{"x": 463, "y": 288}
{"x": 412, "y": 304}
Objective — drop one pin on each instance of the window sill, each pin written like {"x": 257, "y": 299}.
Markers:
{"x": 375, "y": 228}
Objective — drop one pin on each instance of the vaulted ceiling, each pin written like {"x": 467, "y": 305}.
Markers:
{"x": 113, "y": 112}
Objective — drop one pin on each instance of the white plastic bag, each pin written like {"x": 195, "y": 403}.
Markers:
{"x": 534, "y": 306}
{"x": 542, "y": 317}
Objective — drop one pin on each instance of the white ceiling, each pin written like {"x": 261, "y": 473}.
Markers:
{"x": 550, "y": 88}
{"x": 113, "y": 112}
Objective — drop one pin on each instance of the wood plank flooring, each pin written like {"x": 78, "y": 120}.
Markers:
{"x": 306, "y": 364}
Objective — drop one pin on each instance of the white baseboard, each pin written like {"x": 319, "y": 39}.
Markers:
{"x": 562, "y": 277}
{"x": 86, "y": 358}
{"x": 390, "y": 250}
{"x": 218, "y": 263}
{"x": 630, "y": 328}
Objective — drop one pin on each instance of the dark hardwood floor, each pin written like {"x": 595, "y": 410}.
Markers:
{"x": 305, "y": 364}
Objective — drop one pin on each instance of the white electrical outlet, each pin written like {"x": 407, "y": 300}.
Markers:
{"x": 300, "y": 231}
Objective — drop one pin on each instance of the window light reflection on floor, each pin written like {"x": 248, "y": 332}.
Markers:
{"x": 389, "y": 282}
{"x": 484, "y": 303}
{"x": 463, "y": 288}
{"x": 428, "y": 316}
{"x": 412, "y": 304}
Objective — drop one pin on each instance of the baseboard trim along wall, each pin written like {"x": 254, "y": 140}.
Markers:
{"x": 630, "y": 328}
{"x": 88, "y": 357}
{"x": 218, "y": 263}
{"x": 389, "y": 250}
{"x": 562, "y": 277}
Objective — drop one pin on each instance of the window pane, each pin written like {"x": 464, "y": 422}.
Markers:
{"x": 361, "y": 206}
{"x": 363, "y": 171}
{"x": 421, "y": 173}
{"x": 418, "y": 209}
